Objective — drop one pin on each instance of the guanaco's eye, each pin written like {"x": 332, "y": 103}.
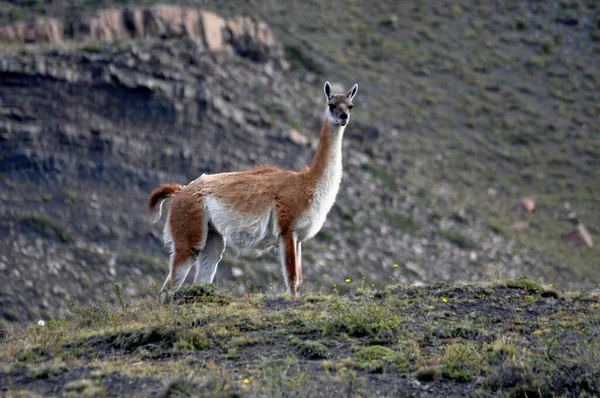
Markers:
{"x": 350, "y": 107}
{"x": 331, "y": 106}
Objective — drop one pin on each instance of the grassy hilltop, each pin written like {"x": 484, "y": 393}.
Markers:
{"x": 513, "y": 338}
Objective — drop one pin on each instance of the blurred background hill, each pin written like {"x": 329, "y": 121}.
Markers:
{"x": 463, "y": 109}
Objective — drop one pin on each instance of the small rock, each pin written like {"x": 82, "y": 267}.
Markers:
{"x": 297, "y": 138}
{"x": 579, "y": 235}
{"x": 527, "y": 205}
{"x": 392, "y": 21}
{"x": 473, "y": 256}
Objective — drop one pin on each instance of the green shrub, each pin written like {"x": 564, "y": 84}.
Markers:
{"x": 428, "y": 373}
{"x": 138, "y": 260}
{"x": 462, "y": 362}
{"x": 47, "y": 228}
{"x": 313, "y": 350}
{"x": 376, "y": 352}
{"x": 360, "y": 320}
{"x": 399, "y": 221}
{"x": 301, "y": 61}
{"x": 93, "y": 48}
{"x": 457, "y": 239}
{"x": 84, "y": 388}
{"x": 524, "y": 284}
{"x": 381, "y": 174}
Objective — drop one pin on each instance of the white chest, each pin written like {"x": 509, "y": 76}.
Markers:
{"x": 326, "y": 190}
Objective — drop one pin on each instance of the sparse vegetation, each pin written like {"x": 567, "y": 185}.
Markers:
{"x": 46, "y": 227}
{"x": 399, "y": 221}
{"x": 428, "y": 373}
{"x": 498, "y": 343}
{"x": 313, "y": 350}
{"x": 132, "y": 259}
{"x": 72, "y": 197}
{"x": 300, "y": 61}
{"x": 383, "y": 175}
{"x": 525, "y": 284}
{"x": 93, "y": 48}
{"x": 457, "y": 239}
{"x": 496, "y": 226}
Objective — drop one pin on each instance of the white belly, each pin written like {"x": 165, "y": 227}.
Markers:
{"x": 243, "y": 231}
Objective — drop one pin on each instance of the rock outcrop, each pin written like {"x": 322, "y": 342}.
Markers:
{"x": 159, "y": 94}
{"x": 244, "y": 34}
{"x": 527, "y": 205}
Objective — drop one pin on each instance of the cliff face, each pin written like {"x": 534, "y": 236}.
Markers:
{"x": 87, "y": 133}
{"x": 248, "y": 37}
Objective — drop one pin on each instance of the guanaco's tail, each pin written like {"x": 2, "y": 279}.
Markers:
{"x": 158, "y": 197}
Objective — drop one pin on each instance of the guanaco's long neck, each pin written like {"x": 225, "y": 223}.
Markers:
{"x": 327, "y": 163}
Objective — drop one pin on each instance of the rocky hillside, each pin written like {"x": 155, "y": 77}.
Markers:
{"x": 462, "y": 110}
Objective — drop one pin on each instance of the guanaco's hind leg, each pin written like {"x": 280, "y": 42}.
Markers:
{"x": 186, "y": 235}
{"x": 298, "y": 265}
{"x": 209, "y": 257}
{"x": 179, "y": 268}
{"x": 288, "y": 261}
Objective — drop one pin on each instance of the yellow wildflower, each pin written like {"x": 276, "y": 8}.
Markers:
{"x": 550, "y": 285}
{"x": 430, "y": 308}
{"x": 537, "y": 332}
{"x": 444, "y": 299}
{"x": 246, "y": 381}
{"x": 395, "y": 265}
{"x": 348, "y": 280}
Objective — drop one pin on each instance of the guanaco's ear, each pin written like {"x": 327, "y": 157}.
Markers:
{"x": 327, "y": 90}
{"x": 352, "y": 92}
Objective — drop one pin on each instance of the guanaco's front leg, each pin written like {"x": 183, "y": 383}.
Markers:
{"x": 288, "y": 261}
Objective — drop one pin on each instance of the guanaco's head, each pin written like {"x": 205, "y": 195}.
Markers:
{"x": 339, "y": 105}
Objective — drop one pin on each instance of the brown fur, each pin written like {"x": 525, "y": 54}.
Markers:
{"x": 161, "y": 193}
{"x": 186, "y": 224}
{"x": 255, "y": 190}
{"x": 290, "y": 259}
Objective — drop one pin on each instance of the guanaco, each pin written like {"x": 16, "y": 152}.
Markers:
{"x": 254, "y": 209}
